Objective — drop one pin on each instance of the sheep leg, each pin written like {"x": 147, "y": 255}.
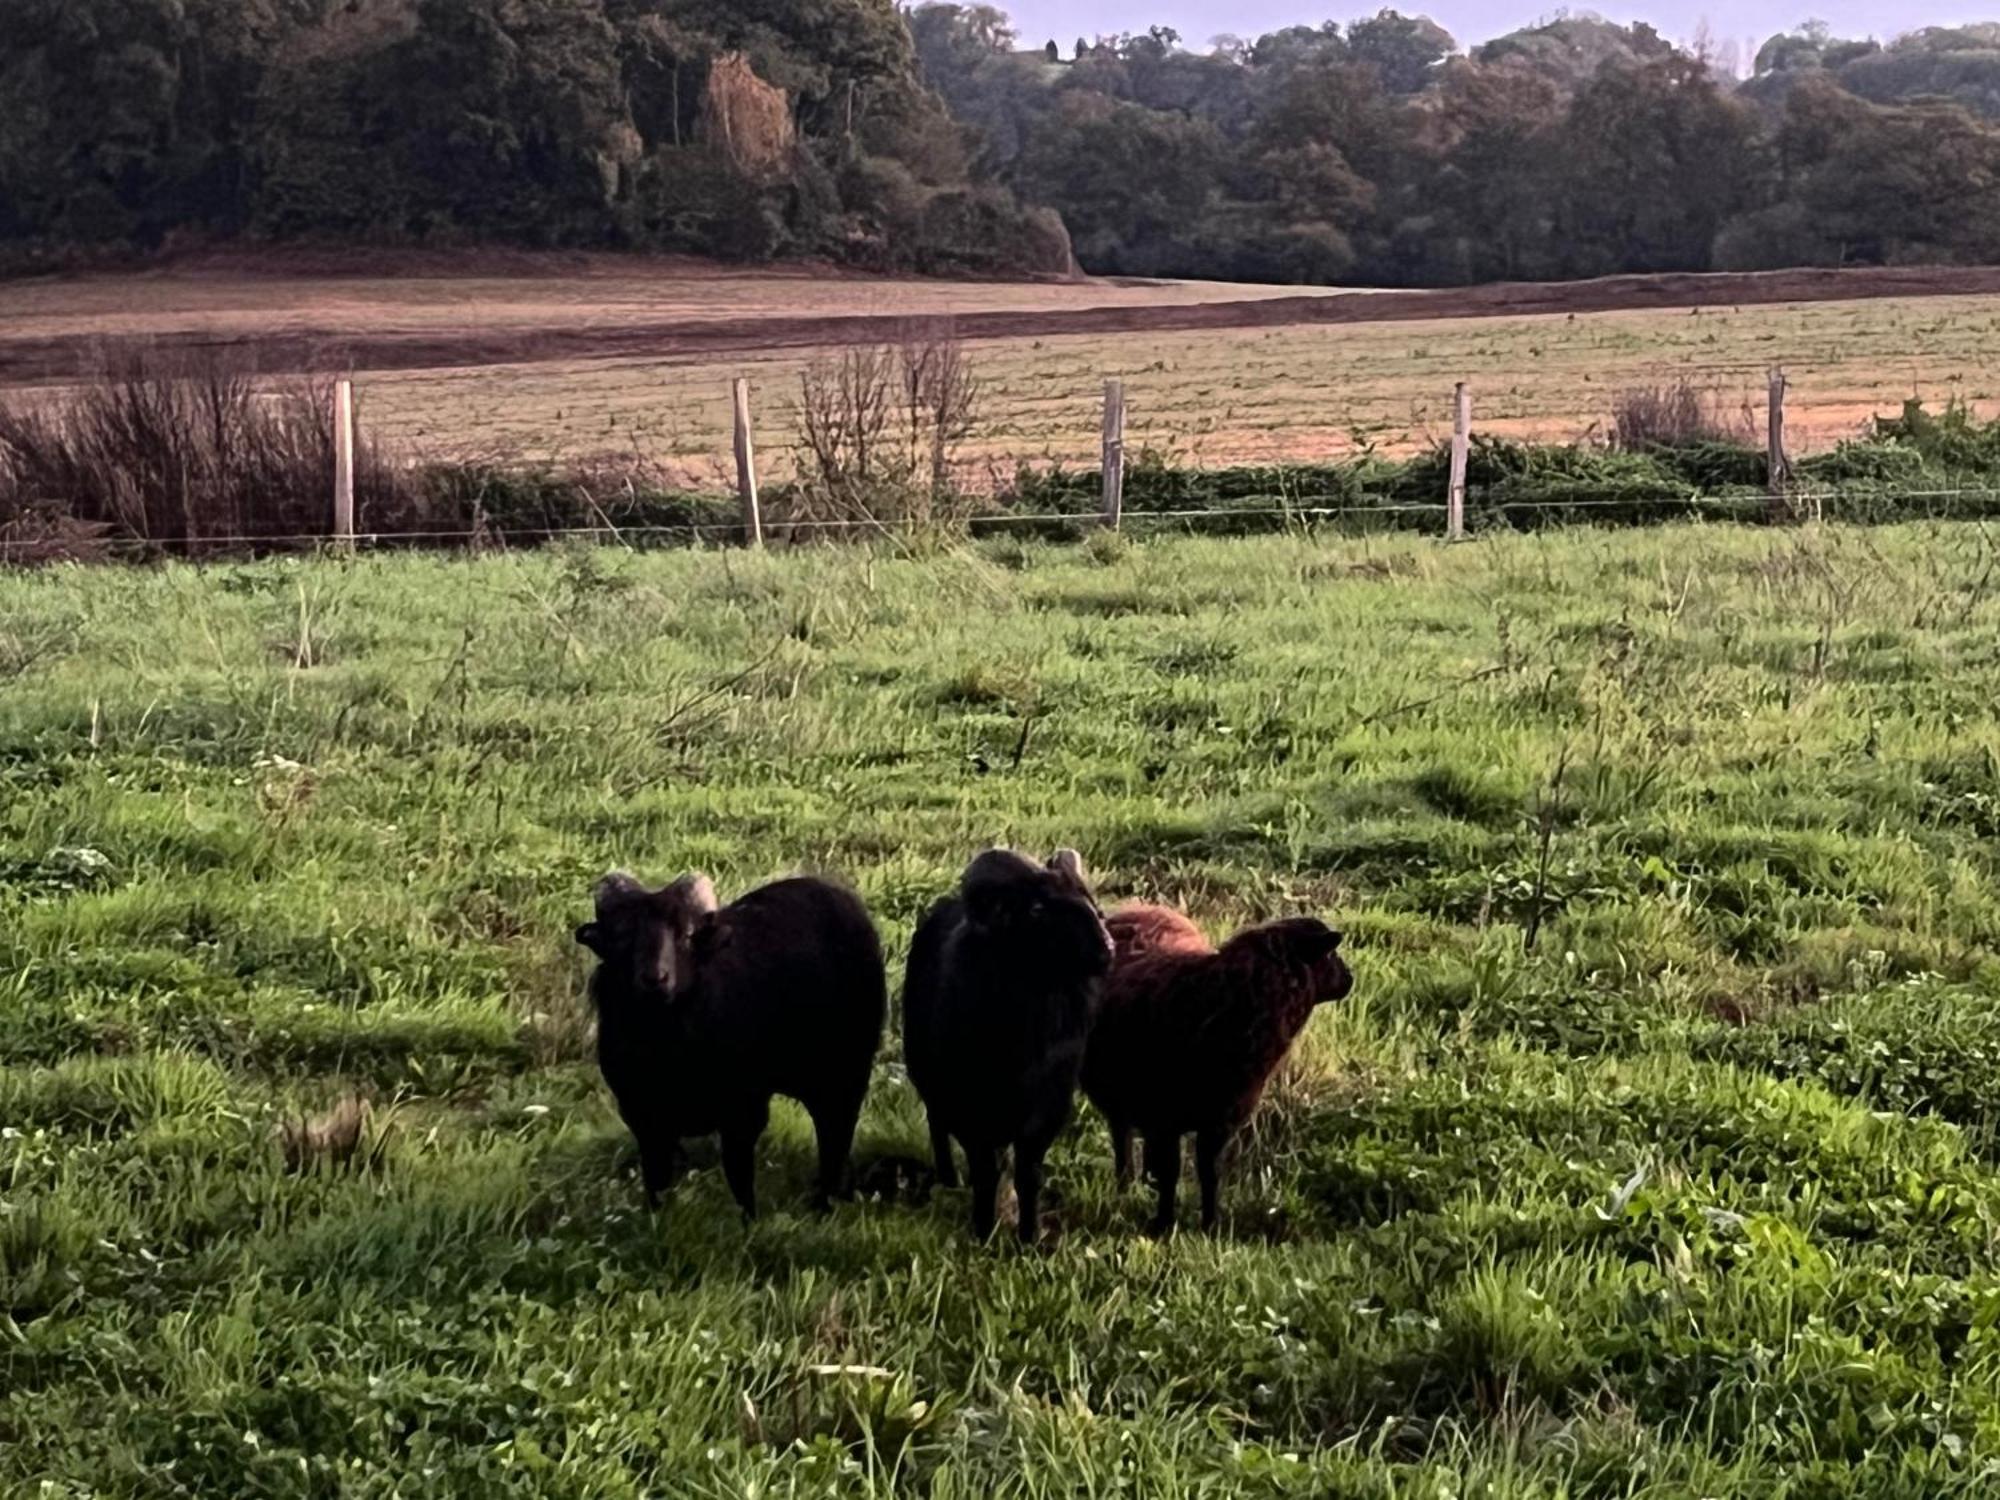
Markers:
{"x": 1163, "y": 1165}
{"x": 657, "y": 1157}
{"x": 1028, "y": 1190}
{"x": 833, "y": 1129}
{"x": 983, "y": 1164}
{"x": 1209, "y": 1145}
{"x": 739, "y": 1154}
{"x": 947, "y": 1165}
{"x": 1121, "y": 1153}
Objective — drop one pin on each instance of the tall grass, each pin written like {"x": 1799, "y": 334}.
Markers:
{"x": 198, "y": 456}
{"x": 1677, "y": 414}
{"x": 191, "y": 452}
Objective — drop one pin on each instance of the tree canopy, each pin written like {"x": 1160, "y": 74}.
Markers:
{"x": 556, "y": 122}
{"x": 937, "y": 138}
{"x": 1383, "y": 152}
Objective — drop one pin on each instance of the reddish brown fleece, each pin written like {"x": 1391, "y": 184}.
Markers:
{"x": 1187, "y": 1036}
{"x": 1147, "y": 930}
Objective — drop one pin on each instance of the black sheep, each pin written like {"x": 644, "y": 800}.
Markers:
{"x": 704, "y": 1014}
{"x": 997, "y": 1007}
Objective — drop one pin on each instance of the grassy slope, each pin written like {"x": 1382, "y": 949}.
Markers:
{"x": 266, "y": 831}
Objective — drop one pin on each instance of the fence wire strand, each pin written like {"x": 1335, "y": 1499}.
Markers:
{"x": 506, "y": 536}
{"x": 1803, "y": 500}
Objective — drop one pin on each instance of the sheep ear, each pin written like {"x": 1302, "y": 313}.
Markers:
{"x": 1329, "y": 941}
{"x": 615, "y": 889}
{"x": 710, "y": 937}
{"x": 592, "y": 937}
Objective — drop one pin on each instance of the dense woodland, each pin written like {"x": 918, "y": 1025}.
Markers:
{"x": 747, "y": 129}
{"x": 1380, "y": 151}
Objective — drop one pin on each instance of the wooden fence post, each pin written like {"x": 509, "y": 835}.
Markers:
{"x": 1461, "y": 459}
{"x": 1778, "y": 467}
{"x": 1114, "y": 452}
{"x": 746, "y": 467}
{"x": 343, "y": 465}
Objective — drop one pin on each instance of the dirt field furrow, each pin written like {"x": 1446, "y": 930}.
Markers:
{"x": 561, "y": 360}
{"x": 358, "y": 344}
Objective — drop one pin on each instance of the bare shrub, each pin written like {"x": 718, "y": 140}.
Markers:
{"x": 940, "y": 404}
{"x": 878, "y": 430}
{"x": 191, "y": 452}
{"x": 1678, "y": 414}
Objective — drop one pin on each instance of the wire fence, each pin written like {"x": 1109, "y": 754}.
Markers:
{"x": 1487, "y": 512}
{"x": 1306, "y": 495}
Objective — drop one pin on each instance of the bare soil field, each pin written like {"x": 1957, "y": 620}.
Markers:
{"x": 362, "y": 312}
{"x": 534, "y": 358}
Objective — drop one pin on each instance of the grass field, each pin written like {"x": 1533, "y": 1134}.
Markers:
{"x": 1258, "y": 395}
{"x": 1699, "y": 1197}
{"x": 1209, "y": 397}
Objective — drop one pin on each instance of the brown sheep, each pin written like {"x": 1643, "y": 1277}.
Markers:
{"x": 1187, "y": 1036}
{"x": 1143, "y": 931}
{"x": 704, "y": 1014}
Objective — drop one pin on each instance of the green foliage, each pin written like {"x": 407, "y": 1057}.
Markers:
{"x": 1952, "y": 441}
{"x": 1577, "y": 147}
{"x": 524, "y": 506}
{"x": 932, "y": 140}
{"x": 1960, "y": 64}
{"x": 1918, "y": 463}
{"x": 1697, "y": 1198}
{"x": 1847, "y": 158}
{"x": 539, "y": 122}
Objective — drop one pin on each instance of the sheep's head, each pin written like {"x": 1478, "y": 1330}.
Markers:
{"x": 1309, "y": 950}
{"x": 651, "y": 941}
{"x": 1044, "y": 911}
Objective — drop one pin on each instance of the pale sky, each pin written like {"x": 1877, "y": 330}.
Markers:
{"x": 1478, "y": 20}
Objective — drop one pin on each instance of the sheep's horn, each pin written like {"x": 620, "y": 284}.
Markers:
{"x": 696, "y": 893}
{"x": 614, "y": 889}
{"x": 1069, "y": 862}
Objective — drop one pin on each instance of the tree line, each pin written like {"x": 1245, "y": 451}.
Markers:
{"x": 746, "y": 129}
{"x": 938, "y": 140}
{"x": 1381, "y": 152}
